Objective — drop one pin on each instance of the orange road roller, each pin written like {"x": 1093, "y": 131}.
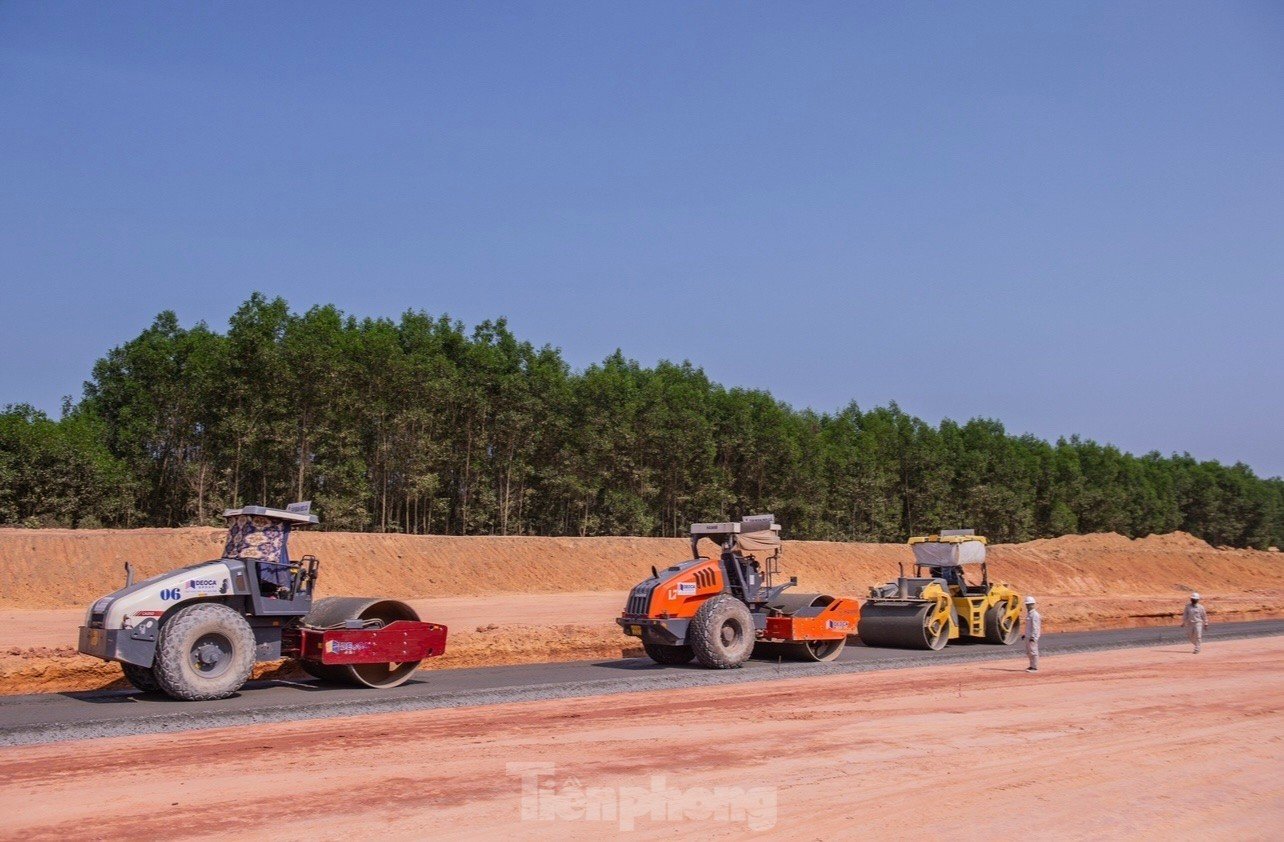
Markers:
{"x": 721, "y": 609}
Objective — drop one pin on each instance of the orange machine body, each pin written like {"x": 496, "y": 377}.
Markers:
{"x": 659, "y": 609}
{"x": 835, "y": 621}
{"x": 682, "y": 594}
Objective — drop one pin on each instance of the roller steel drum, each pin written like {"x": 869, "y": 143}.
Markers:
{"x": 333, "y": 612}
{"x": 792, "y": 603}
{"x": 811, "y": 650}
{"x": 901, "y": 626}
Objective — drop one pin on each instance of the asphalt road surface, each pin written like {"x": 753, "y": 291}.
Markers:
{"x": 52, "y": 717}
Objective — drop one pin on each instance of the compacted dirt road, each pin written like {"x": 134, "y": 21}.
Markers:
{"x": 1146, "y": 742}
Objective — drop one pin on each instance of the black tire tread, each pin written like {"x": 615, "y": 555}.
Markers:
{"x": 704, "y": 633}
{"x": 141, "y": 677}
{"x": 668, "y": 655}
{"x": 172, "y": 650}
{"x": 329, "y": 673}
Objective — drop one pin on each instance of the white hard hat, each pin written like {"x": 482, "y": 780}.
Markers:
{"x": 1194, "y": 596}
{"x": 1029, "y": 600}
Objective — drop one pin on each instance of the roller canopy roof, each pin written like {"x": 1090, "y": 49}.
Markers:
{"x": 951, "y": 548}
{"x": 299, "y": 513}
{"x": 753, "y": 534}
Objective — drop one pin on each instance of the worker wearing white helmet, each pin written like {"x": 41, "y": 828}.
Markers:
{"x": 1194, "y": 619}
{"x": 1033, "y": 631}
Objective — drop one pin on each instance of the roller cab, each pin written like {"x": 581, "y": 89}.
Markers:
{"x": 949, "y": 597}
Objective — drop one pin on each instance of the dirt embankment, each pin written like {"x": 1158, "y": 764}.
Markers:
{"x": 1146, "y": 743}
{"x": 524, "y": 600}
{"x": 59, "y": 568}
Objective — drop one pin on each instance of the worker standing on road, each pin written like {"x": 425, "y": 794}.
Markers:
{"x": 1033, "y": 630}
{"x": 1194, "y": 619}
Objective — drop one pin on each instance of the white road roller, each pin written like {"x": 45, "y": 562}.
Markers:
{"x": 195, "y": 633}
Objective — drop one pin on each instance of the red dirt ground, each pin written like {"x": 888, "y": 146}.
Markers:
{"x": 1147, "y": 743}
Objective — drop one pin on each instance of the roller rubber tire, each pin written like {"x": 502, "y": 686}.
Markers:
{"x": 141, "y": 677}
{"x": 176, "y": 646}
{"x": 722, "y": 633}
{"x": 668, "y": 655}
{"x": 994, "y": 633}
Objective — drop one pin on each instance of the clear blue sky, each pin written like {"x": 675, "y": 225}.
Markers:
{"x": 1068, "y": 216}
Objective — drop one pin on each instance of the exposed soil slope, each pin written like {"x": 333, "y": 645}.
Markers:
{"x": 58, "y": 568}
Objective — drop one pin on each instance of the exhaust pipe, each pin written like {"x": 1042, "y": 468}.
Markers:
{"x": 902, "y": 586}
{"x": 129, "y": 574}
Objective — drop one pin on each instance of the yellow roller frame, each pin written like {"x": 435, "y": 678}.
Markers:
{"x": 941, "y": 615}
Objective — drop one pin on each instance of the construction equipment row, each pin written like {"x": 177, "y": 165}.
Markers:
{"x": 196, "y": 633}
{"x": 721, "y": 610}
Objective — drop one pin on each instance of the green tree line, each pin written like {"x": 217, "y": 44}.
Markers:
{"x": 419, "y": 425}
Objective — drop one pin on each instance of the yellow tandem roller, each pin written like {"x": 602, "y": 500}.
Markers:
{"x": 938, "y": 603}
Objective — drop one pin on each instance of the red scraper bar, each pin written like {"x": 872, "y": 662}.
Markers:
{"x": 398, "y": 642}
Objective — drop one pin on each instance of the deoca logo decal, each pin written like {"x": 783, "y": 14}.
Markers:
{"x": 205, "y": 586}
{"x": 346, "y": 647}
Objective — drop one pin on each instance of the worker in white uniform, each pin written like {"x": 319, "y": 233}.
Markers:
{"x": 1194, "y": 619}
{"x": 1033, "y": 630}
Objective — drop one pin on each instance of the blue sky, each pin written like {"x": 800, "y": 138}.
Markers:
{"x": 1068, "y": 216}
